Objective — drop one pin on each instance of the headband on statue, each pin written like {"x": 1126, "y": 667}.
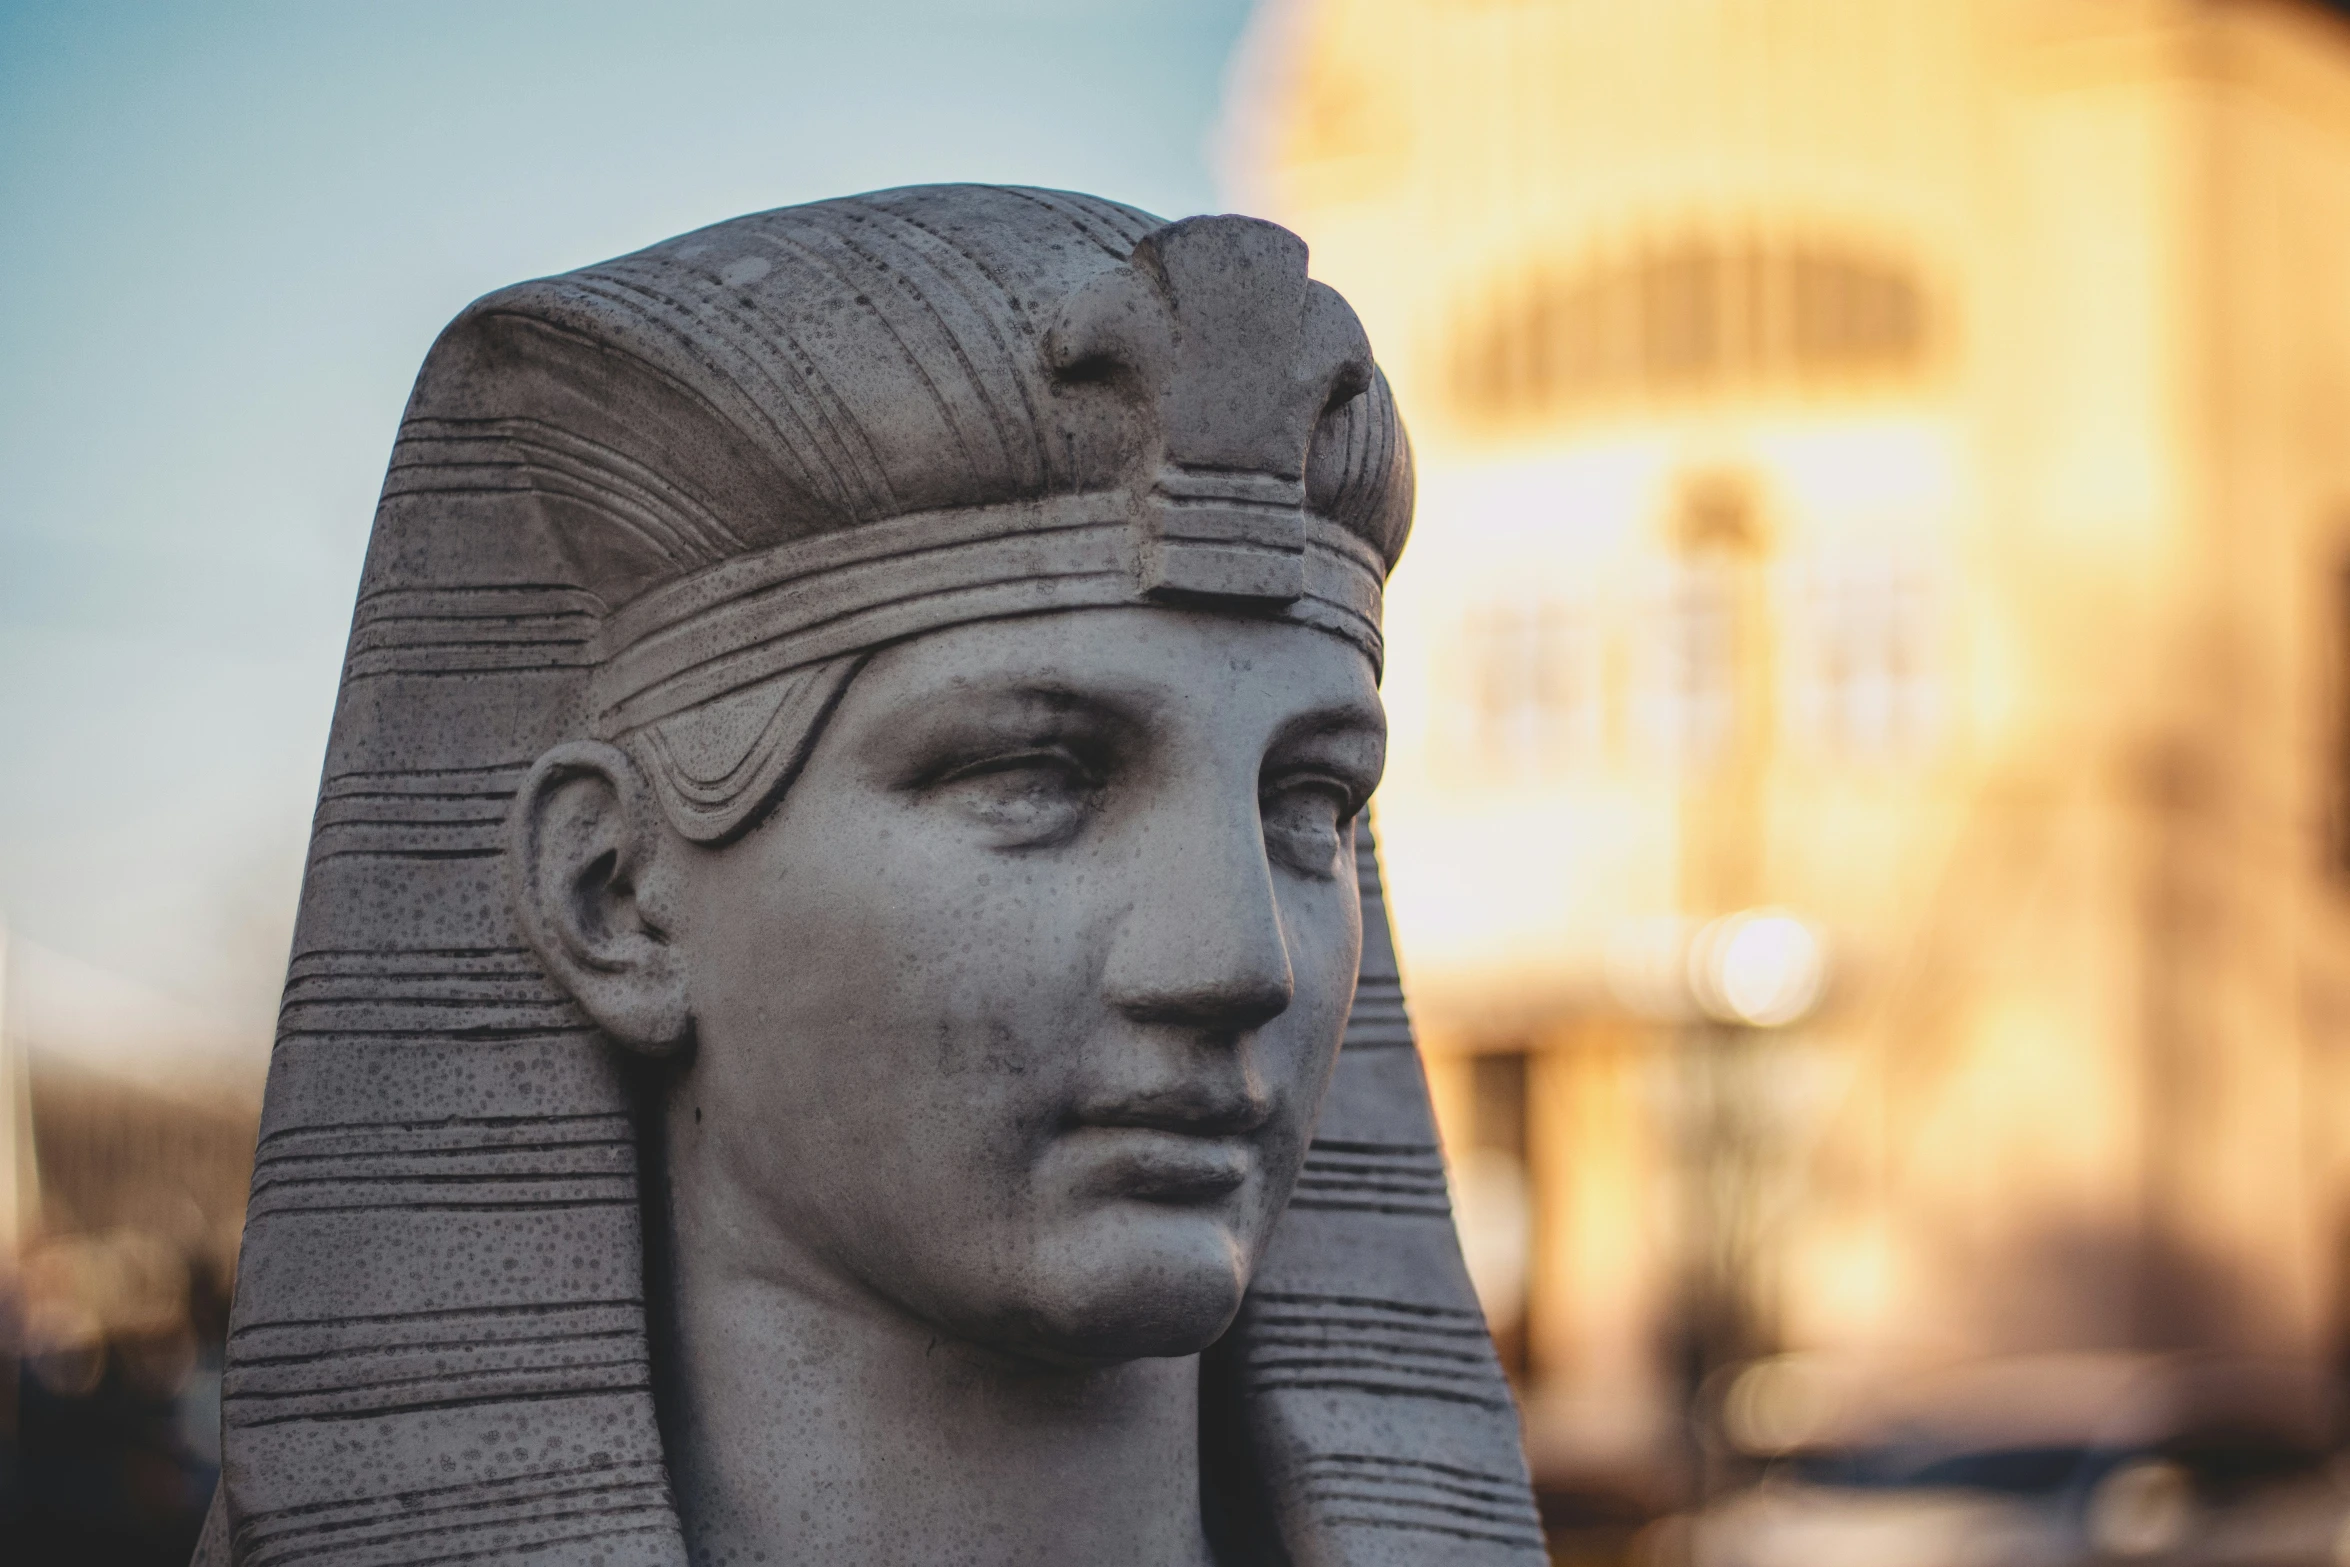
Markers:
{"x": 1230, "y": 358}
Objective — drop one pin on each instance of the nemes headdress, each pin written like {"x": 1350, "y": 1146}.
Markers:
{"x": 673, "y": 501}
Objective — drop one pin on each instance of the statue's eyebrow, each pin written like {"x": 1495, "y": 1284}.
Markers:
{"x": 1346, "y": 720}
{"x": 957, "y": 717}
{"x": 1042, "y": 700}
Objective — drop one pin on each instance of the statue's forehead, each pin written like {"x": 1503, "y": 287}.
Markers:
{"x": 1133, "y": 651}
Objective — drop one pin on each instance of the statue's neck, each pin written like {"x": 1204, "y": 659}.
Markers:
{"x": 814, "y": 1424}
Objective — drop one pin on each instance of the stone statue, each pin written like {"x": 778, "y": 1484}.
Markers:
{"x": 815, "y": 1029}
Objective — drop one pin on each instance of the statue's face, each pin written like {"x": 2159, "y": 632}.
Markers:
{"x": 1016, "y": 1014}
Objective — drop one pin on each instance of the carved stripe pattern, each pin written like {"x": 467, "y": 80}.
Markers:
{"x": 1338, "y": 1342}
{"x": 1110, "y": 227}
{"x": 1378, "y": 1021}
{"x": 506, "y": 456}
{"x": 363, "y": 1367}
{"x": 470, "y": 1164}
{"x": 1383, "y": 1492}
{"x": 444, "y": 993}
{"x": 596, "y": 1502}
{"x": 1404, "y": 1179}
{"x": 472, "y": 630}
{"x": 457, "y": 814}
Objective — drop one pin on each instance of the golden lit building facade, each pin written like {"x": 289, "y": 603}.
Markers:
{"x": 1885, "y": 472}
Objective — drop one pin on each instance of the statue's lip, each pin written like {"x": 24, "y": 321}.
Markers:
{"x": 1235, "y": 1113}
{"x": 1163, "y": 1164}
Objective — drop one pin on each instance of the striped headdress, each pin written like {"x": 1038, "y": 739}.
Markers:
{"x": 671, "y": 501}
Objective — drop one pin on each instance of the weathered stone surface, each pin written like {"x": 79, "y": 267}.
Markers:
{"x": 841, "y": 1011}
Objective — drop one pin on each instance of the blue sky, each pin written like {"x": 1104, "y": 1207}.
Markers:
{"x": 228, "y": 232}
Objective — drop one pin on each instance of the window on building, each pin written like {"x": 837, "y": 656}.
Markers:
{"x": 1538, "y": 671}
{"x": 1866, "y": 685}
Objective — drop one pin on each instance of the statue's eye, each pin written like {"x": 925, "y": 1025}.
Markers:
{"x": 1027, "y": 797}
{"x": 1306, "y": 817}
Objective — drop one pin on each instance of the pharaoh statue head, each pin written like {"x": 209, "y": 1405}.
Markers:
{"x": 841, "y": 1008}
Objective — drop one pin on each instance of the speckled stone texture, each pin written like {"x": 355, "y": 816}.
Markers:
{"x": 668, "y": 503}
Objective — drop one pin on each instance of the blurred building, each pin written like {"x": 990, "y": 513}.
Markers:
{"x": 1885, "y": 472}
{"x": 127, "y": 1125}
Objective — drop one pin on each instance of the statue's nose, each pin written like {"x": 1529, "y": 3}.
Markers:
{"x": 1201, "y": 944}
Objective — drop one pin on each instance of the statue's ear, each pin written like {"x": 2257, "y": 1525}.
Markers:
{"x": 584, "y": 855}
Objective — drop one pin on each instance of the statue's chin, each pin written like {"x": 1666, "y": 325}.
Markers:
{"x": 1146, "y": 1285}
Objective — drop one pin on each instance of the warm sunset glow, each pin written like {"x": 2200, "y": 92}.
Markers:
{"x": 1869, "y": 674}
